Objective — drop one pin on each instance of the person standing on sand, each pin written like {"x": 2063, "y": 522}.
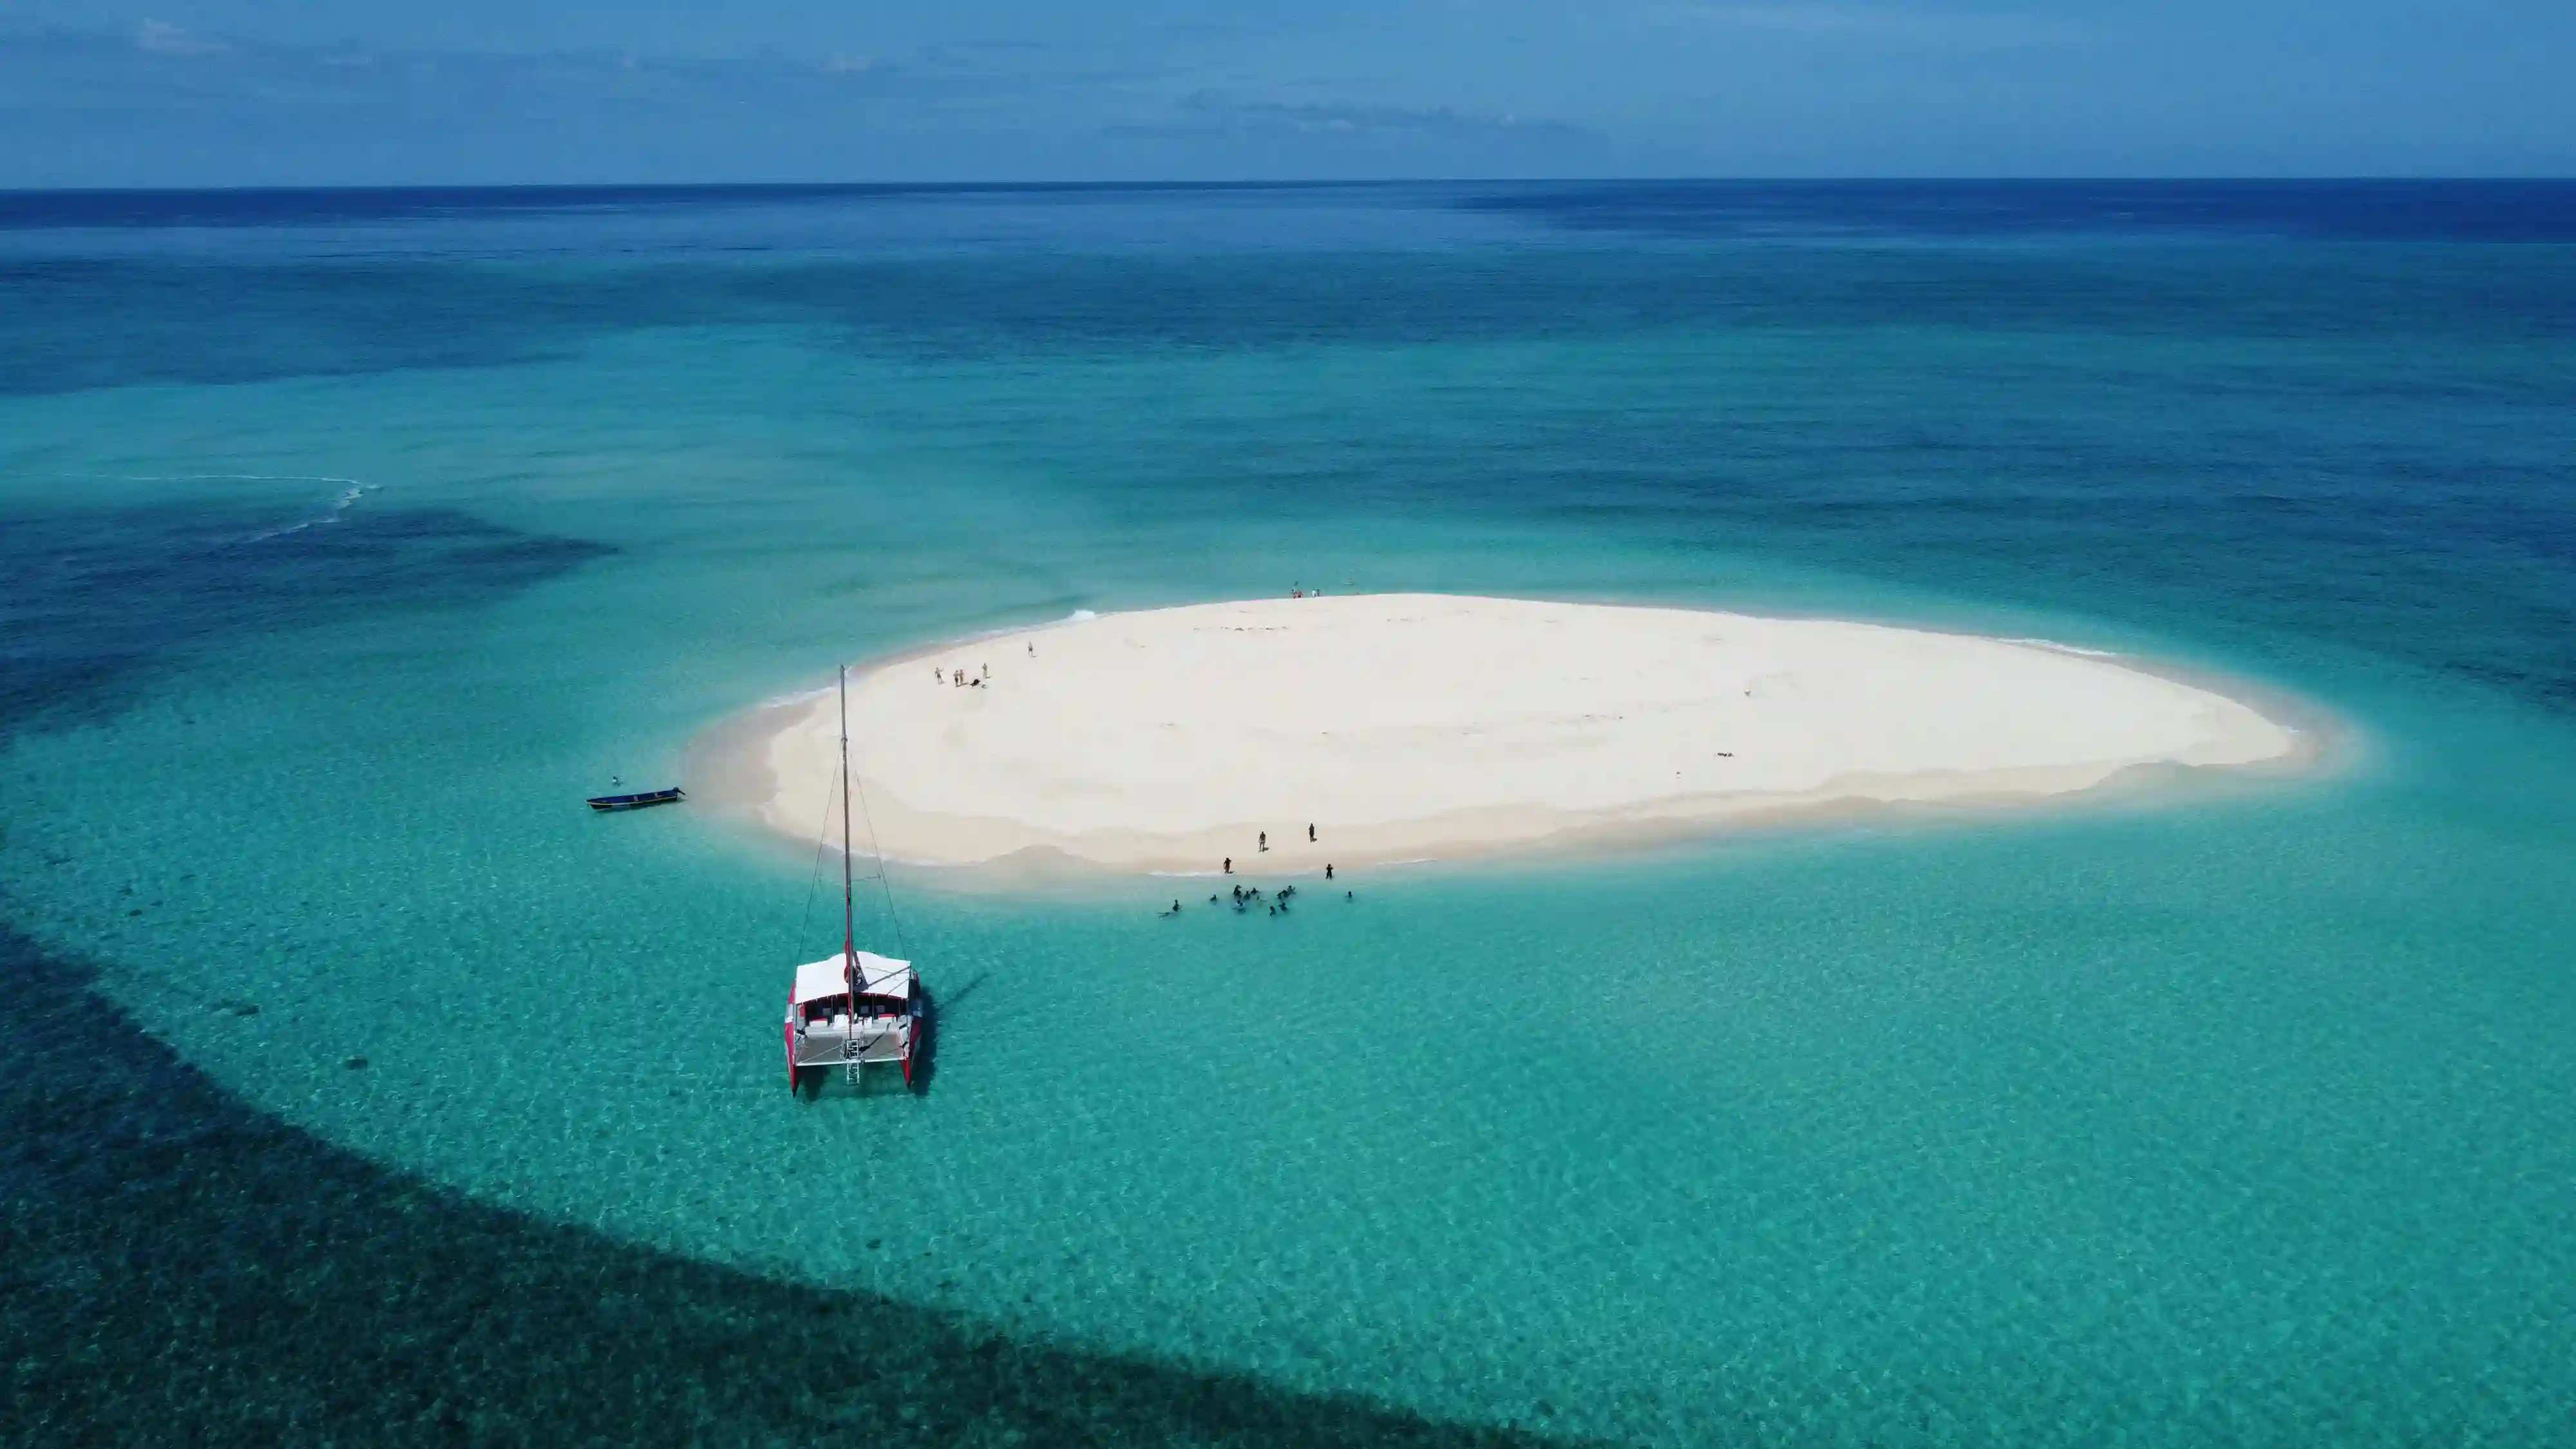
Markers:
{"x": 1229, "y": 865}
{"x": 1310, "y": 834}
{"x": 1265, "y": 840}
{"x": 1328, "y": 870}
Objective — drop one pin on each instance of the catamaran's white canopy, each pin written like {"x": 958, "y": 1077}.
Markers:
{"x": 878, "y": 976}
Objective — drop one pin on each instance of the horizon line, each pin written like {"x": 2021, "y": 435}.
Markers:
{"x": 1286, "y": 183}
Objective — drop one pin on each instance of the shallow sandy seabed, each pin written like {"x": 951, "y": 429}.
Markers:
{"x": 1408, "y": 726}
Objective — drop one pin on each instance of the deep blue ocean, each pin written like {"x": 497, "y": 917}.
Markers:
{"x": 361, "y": 1087}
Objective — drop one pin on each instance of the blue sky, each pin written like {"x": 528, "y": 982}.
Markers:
{"x": 234, "y": 92}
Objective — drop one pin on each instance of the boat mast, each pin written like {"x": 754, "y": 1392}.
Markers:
{"x": 849, "y": 919}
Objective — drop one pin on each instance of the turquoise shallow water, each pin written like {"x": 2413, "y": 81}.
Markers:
{"x": 2247, "y": 1121}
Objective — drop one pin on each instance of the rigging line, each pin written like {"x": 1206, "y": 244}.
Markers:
{"x": 814, "y": 883}
{"x": 878, "y": 851}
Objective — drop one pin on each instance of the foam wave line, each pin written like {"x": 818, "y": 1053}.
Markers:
{"x": 347, "y": 499}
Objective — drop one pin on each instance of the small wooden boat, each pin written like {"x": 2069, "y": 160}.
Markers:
{"x": 639, "y": 800}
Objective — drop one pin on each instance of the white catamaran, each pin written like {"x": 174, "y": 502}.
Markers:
{"x": 857, "y": 1008}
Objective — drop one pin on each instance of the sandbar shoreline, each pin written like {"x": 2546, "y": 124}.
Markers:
{"x": 1126, "y": 736}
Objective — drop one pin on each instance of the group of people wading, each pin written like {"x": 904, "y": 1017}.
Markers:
{"x": 1245, "y": 899}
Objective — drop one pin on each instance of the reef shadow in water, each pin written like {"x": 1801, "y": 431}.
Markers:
{"x": 89, "y": 598}
{"x": 177, "y": 1267}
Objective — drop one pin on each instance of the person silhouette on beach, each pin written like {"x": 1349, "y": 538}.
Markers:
{"x": 1310, "y": 834}
{"x": 1265, "y": 840}
{"x": 1328, "y": 870}
{"x": 1229, "y": 865}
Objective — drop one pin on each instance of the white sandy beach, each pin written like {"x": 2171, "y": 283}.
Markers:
{"x": 1409, "y": 725}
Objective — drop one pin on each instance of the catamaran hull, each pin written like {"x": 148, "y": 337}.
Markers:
{"x": 858, "y": 1008}
{"x": 895, "y": 1049}
{"x": 796, "y": 1070}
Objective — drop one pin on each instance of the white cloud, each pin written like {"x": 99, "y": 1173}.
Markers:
{"x": 1208, "y": 109}
{"x": 160, "y": 37}
{"x": 1826, "y": 18}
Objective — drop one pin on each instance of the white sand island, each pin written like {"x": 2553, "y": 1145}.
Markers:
{"x": 1407, "y": 726}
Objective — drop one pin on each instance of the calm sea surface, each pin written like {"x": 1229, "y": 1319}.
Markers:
{"x": 361, "y": 1087}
